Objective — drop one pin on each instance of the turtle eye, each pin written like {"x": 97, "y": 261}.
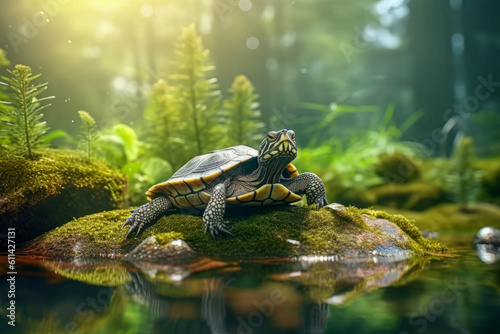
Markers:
{"x": 271, "y": 136}
{"x": 292, "y": 135}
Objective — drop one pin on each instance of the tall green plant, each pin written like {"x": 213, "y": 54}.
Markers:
{"x": 166, "y": 125}
{"x": 88, "y": 133}
{"x": 3, "y": 97}
{"x": 24, "y": 110}
{"x": 242, "y": 114}
{"x": 463, "y": 180}
{"x": 197, "y": 96}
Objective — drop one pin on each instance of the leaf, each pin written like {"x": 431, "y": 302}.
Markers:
{"x": 156, "y": 170}
{"x": 55, "y": 135}
{"x": 130, "y": 142}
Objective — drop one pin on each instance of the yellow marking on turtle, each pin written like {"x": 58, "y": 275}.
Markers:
{"x": 263, "y": 192}
{"x": 205, "y": 197}
{"x": 268, "y": 201}
{"x": 209, "y": 178}
{"x": 246, "y": 197}
{"x": 293, "y": 170}
{"x": 182, "y": 201}
{"x": 232, "y": 200}
{"x": 293, "y": 198}
{"x": 164, "y": 187}
{"x": 280, "y": 192}
{"x": 194, "y": 199}
{"x": 195, "y": 183}
{"x": 180, "y": 187}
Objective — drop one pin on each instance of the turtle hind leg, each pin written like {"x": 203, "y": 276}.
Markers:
{"x": 214, "y": 214}
{"x": 309, "y": 184}
{"x": 146, "y": 214}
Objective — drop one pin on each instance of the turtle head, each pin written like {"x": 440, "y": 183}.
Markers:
{"x": 278, "y": 147}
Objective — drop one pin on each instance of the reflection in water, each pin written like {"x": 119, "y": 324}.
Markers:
{"x": 264, "y": 296}
{"x": 259, "y": 297}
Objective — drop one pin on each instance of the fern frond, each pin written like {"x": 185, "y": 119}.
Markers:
{"x": 23, "y": 111}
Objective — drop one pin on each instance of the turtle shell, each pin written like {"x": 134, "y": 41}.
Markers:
{"x": 185, "y": 187}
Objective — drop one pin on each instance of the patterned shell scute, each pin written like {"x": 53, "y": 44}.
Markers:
{"x": 202, "y": 169}
{"x": 215, "y": 161}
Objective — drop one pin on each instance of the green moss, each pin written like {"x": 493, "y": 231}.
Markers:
{"x": 165, "y": 238}
{"x": 56, "y": 169}
{"x": 419, "y": 243}
{"x": 264, "y": 232}
{"x": 414, "y": 195}
{"x": 38, "y": 195}
{"x": 101, "y": 273}
{"x": 397, "y": 168}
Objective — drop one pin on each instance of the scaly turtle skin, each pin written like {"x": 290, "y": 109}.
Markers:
{"x": 234, "y": 176}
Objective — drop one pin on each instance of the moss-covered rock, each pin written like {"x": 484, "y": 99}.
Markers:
{"x": 280, "y": 231}
{"x": 39, "y": 195}
{"x": 397, "y": 168}
{"x": 418, "y": 195}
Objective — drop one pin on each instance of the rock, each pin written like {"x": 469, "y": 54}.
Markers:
{"x": 39, "y": 195}
{"x": 489, "y": 236}
{"x": 397, "y": 168}
{"x": 163, "y": 247}
{"x": 418, "y": 195}
{"x": 350, "y": 233}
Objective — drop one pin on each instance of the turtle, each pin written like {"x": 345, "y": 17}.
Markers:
{"x": 234, "y": 176}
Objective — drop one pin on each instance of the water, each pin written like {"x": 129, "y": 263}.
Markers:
{"x": 451, "y": 295}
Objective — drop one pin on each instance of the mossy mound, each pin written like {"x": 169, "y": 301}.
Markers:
{"x": 39, "y": 195}
{"x": 418, "y": 195}
{"x": 281, "y": 231}
{"x": 397, "y": 168}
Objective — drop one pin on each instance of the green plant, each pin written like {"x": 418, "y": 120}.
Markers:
{"x": 23, "y": 113}
{"x": 3, "y": 59}
{"x": 346, "y": 160}
{"x": 166, "y": 126}
{"x": 464, "y": 181}
{"x": 242, "y": 114}
{"x": 88, "y": 133}
{"x": 197, "y": 97}
{"x": 120, "y": 147}
{"x": 3, "y": 97}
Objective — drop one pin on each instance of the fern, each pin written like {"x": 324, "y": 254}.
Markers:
{"x": 464, "y": 181}
{"x": 167, "y": 126}
{"x": 23, "y": 113}
{"x": 242, "y": 113}
{"x": 197, "y": 96}
{"x": 88, "y": 133}
{"x": 3, "y": 97}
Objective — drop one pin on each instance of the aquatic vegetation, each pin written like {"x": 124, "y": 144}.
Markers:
{"x": 464, "y": 180}
{"x": 25, "y": 129}
{"x": 186, "y": 115}
{"x": 197, "y": 96}
{"x": 347, "y": 161}
{"x": 164, "y": 137}
{"x": 242, "y": 115}
{"x": 88, "y": 133}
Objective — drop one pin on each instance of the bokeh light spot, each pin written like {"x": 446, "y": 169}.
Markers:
{"x": 245, "y": 5}
{"x": 252, "y": 43}
{"x": 147, "y": 11}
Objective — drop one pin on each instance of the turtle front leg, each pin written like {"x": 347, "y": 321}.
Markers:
{"x": 148, "y": 213}
{"x": 214, "y": 214}
{"x": 309, "y": 184}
